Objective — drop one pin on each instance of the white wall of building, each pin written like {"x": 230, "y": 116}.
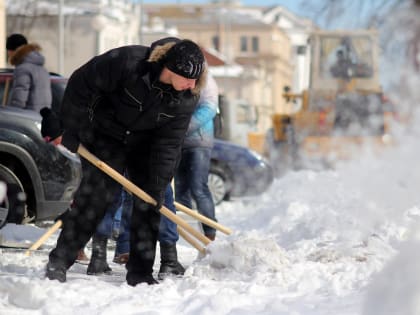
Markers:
{"x": 90, "y": 28}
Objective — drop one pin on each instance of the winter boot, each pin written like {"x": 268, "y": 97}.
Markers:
{"x": 169, "y": 264}
{"x": 54, "y": 272}
{"x": 82, "y": 258}
{"x": 121, "y": 258}
{"x": 134, "y": 279}
{"x": 98, "y": 264}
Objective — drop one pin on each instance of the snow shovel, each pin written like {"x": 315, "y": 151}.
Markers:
{"x": 191, "y": 240}
{"x": 129, "y": 186}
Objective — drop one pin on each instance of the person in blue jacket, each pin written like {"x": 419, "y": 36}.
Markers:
{"x": 192, "y": 174}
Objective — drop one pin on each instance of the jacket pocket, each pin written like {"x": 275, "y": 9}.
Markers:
{"x": 164, "y": 117}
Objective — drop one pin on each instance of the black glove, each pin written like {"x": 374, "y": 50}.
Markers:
{"x": 159, "y": 197}
{"x": 50, "y": 125}
{"x": 63, "y": 216}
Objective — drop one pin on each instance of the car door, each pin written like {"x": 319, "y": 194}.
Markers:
{"x": 5, "y": 85}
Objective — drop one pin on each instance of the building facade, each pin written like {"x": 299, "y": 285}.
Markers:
{"x": 264, "y": 50}
{"x": 86, "y": 28}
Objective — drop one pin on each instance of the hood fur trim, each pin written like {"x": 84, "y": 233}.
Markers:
{"x": 158, "y": 55}
{"x": 22, "y": 52}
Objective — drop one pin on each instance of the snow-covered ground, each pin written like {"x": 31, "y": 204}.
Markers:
{"x": 339, "y": 242}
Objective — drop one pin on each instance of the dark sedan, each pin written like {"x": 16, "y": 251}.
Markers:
{"x": 237, "y": 171}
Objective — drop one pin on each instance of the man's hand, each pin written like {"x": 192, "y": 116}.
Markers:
{"x": 159, "y": 197}
{"x": 50, "y": 126}
{"x": 55, "y": 141}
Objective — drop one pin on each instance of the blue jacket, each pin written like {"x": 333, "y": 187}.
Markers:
{"x": 201, "y": 130}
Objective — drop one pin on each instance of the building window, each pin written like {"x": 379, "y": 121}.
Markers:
{"x": 301, "y": 50}
{"x": 244, "y": 44}
{"x": 216, "y": 42}
{"x": 255, "y": 44}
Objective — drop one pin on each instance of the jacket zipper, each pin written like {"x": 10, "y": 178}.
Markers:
{"x": 134, "y": 99}
{"x": 92, "y": 106}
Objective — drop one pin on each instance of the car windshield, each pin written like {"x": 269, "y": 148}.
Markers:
{"x": 344, "y": 57}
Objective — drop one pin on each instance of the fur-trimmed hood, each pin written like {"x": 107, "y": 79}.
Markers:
{"x": 158, "y": 54}
{"x": 27, "y": 53}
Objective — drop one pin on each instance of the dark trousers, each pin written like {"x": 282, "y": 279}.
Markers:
{"x": 191, "y": 181}
{"x": 96, "y": 194}
{"x": 168, "y": 233}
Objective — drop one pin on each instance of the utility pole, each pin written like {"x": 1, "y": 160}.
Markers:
{"x": 60, "y": 37}
{"x": 3, "y": 32}
{"x": 141, "y": 23}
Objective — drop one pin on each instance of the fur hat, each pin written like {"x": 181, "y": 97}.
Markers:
{"x": 14, "y": 41}
{"x": 186, "y": 59}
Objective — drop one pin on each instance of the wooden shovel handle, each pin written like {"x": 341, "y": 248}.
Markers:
{"x": 44, "y": 237}
{"x": 129, "y": 186}
{"x": 203, "y": 218}
{"x": 191, "y": 240}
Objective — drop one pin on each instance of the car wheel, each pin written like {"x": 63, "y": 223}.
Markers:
{"x": 4, "y": 209}
{"x": 15, "y": 196}
{"x": 217, "y": 184}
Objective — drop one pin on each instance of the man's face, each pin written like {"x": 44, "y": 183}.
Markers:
{"x": 181, "y": 83}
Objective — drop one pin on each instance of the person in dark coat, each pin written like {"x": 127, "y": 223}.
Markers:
{"x": 31, "y": 88}
{"x": 130, "y": 107}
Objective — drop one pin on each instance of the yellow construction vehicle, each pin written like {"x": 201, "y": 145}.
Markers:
{"x": 342, "y": 108}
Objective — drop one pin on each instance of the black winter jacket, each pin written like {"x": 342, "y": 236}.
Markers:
{"x": 118, "y": 94}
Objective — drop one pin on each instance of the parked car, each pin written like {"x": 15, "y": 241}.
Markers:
{"x": 47, "y": 175}
{"x": 41, "y": 178}
{"x": 237, "y": 171}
